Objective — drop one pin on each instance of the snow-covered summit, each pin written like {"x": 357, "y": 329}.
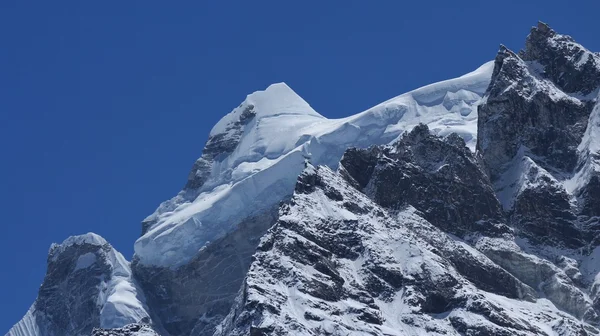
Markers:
{"x": 249, "y": 165}
{"x": 278, "y": 98}
{"x": 256, "y": 151}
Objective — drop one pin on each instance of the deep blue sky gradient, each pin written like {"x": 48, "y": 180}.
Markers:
{"x": 105, "y": 105}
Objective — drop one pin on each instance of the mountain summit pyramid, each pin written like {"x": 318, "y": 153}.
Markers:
{"x": 466, "y": 207}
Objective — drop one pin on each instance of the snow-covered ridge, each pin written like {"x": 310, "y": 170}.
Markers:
{"x": 265, "y": 142}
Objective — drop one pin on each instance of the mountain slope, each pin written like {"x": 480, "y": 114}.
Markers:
{"x": 199, "y": 244}
{"x": 337, "y": 263}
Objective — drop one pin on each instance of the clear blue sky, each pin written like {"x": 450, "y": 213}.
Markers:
{"x": 105, "y": 105}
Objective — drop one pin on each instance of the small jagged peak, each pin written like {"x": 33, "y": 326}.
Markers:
{"x": 538, "y": 42}
{"x": 543, "y": 29}
{"x": 568, "y": 64}
{"x": 455, "y": 140}
{"x": 421, "y": 134}
{"x": 89, "y": 238}
{"x": 504, "y": 52}
{"x": 308, "y": 179}
{"x": 418, "y": 133}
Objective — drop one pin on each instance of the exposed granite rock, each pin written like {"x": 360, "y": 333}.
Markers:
{"x": 522, "y": 109}
{"x": 440, "y": 178}
{"x": 573, "y": 68}
{"x": 531, "y": 125}
{"x": 84, "y": 277}
{"x": 135, "y": 329}
{"x": 219, "y": 146}
{"x": 67, "y": 300}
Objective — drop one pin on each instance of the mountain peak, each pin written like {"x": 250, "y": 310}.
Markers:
{"x": 276, "y": 99}
{"x": 543, "y": 28}
{"x": 408, "y": 236}
{"x": 568, "y": 64}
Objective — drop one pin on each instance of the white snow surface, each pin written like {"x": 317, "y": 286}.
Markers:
{"x": 88, "y": 238}
{"x": 85, "y": 261}
{"x": 285, "y": 132}
{"x": 121, "y": 300}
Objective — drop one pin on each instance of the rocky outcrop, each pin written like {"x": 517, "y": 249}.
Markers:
{"x": 531, "y": 126}
{"x": 337, "y": 263}
{"x": 566, "y": 63}
{"x": 218, "y": 146}
{"x": 87, "y": 284}
{"x": 440, "y": 178}
{"x": 134, "y": 329}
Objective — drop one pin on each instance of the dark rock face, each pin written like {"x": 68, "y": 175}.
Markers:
{"x": 544, "y": 215}
{"x": 135, "y": 329}
{"x": 440, "y": 178}
{"x": 524, "y": 110}
{"x": 217, "y": 147}
{"x": 536, "y": 109}
{"x": 201, "y": 292}
{"x": 590, "y": 195}
{"x": 67, "y": 300}
{"x": 345, "y": 271}
{"x": 566, "y": 63}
